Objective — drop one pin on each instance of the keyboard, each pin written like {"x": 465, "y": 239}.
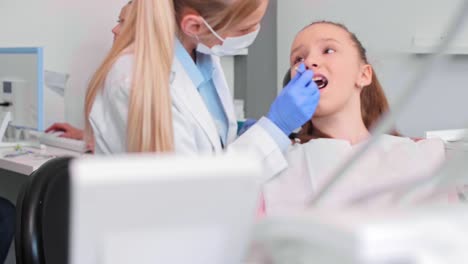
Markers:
{"x": 65, "y": 143}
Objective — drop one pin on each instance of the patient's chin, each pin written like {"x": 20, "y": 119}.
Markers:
{"x": 326, "y": 108}
{"x": 321, "y": 111}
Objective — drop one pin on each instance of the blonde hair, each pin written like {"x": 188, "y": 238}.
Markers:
{"x": 149, "y": 32}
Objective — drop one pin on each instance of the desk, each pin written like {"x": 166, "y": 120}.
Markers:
{"x": 26, "y": 164}
{"x": 14, "y": 172}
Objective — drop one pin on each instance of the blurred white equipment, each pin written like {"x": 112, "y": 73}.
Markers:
{"x": 65, "y": 143}
{"x": 453, "y": 135}
{"x": 455, "y": 139}
{"x": 161, "y": 209}
{"x": 436, "y": 236}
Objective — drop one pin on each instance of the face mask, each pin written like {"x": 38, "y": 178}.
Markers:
{"x": 230, "y": 46}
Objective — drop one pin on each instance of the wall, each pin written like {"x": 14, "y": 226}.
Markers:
{"x": 387, "y": 29}
{"x": 255, "y": 74}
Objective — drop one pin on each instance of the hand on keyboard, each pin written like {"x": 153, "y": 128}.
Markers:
{"x": 53, "y": 139}
{"x": 67, "y": 130}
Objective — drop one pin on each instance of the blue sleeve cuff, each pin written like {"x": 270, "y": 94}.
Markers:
{"x": 278, "y": 136}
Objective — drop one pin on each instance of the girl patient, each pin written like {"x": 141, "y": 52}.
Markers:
{"x": 351, "y": 101}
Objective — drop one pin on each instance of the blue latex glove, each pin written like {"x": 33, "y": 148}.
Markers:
{"x": 297, "y": 102}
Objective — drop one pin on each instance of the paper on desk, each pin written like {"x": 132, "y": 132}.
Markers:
{"x": 56, "y": 81}
{"x": 27, "y": 156}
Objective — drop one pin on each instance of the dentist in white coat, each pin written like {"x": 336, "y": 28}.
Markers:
{"x": 202, "y": 106}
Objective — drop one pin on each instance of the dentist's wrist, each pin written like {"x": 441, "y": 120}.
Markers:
{"x": 279, "y": 124}
{"x": 278, "y": 135}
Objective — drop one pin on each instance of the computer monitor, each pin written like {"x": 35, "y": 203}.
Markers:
{"x": 156, "y": 209}
{"x": 21, "y": 86}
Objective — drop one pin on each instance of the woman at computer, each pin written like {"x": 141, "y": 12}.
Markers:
{"x": 68, "y": 130}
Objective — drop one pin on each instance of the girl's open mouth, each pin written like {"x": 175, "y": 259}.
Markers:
{"x": 320, "y": 80}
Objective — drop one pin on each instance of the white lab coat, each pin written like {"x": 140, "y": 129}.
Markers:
{"x": 392, "y": 160}
{"x": 194, "y": 128}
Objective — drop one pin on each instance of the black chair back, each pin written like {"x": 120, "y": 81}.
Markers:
{"x": 42, "y": 222}
{"x": 7, "y": 226}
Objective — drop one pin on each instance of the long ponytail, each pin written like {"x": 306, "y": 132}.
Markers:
{"x": 150, "y": 115}
{"x": 149, "y": 33}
